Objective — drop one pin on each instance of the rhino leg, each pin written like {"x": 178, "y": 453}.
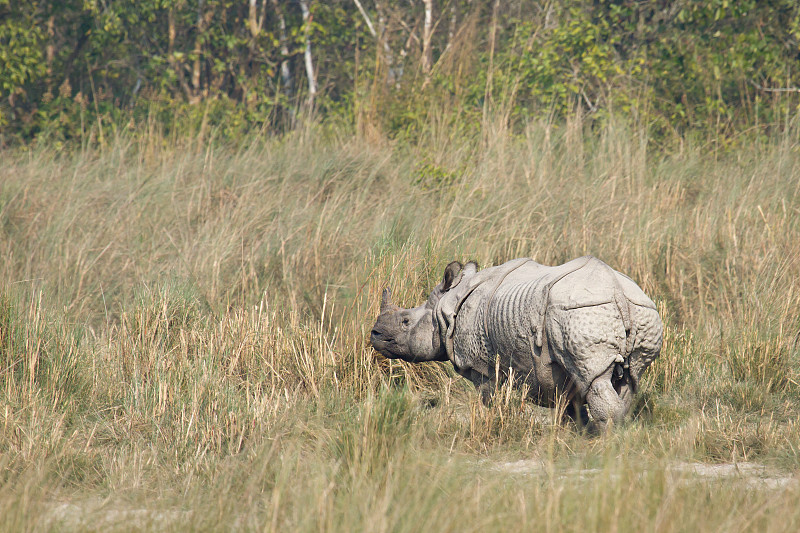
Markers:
{"x": 485, "y": 389}
{"x": 577, "y": 412}
{"x": 483, "y": 384}
{"x": 647, "y": 343}
{"x": 606, "y": 405}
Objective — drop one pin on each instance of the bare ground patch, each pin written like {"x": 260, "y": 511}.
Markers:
{"x": 96, "y": 515}
{"x": 754, "y": 475}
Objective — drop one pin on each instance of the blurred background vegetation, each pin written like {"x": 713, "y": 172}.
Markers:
{"x": 78, "y": 69}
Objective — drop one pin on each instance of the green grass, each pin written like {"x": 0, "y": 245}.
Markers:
{"x": 183, "y": 333}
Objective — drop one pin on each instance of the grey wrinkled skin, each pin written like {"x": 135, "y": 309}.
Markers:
{"x": 580, "y": 331}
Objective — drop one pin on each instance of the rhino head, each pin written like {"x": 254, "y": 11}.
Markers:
{"x": 413, "y": 334}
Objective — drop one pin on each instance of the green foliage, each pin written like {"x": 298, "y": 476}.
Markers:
{"x": 80, "y": 69}
{"x": 21, "y": 51}
{"x": 690, "y": 65}
{"x": 433, "y": 177}
{"x": 570, "y": 65}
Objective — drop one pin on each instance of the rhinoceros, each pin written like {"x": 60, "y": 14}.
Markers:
{"x": 580, "y": 331}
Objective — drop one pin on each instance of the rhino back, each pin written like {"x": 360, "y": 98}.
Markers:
{"x": 504, "y": 310}
{"x": 594, "y": 283}
{"x": 633, "y": 292}
{"x": 574, "y": 303}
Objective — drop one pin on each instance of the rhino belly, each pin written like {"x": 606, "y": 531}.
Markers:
{"x": 509, "y": 331}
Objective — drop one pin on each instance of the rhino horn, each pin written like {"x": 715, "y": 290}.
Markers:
{"x": 386, "y": 300}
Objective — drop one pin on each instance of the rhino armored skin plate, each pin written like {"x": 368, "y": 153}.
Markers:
{"x": 580, "y": 331}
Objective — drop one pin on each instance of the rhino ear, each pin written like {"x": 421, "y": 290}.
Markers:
{"x": 470, "y": 269}
{"x": 450, "y": 275}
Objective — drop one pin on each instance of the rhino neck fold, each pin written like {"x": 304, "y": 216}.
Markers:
{"x": 449, "y": 306}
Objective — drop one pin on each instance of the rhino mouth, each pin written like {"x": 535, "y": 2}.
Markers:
{"x": 381, "y": 344}
{"x": 377, "y": 340}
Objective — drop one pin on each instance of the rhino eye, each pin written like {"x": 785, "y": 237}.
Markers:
{"x": 406, "y": 321}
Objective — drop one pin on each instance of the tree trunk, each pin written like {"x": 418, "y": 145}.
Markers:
{"x": 307, "y": 58}
{"x": 198, "y": 50}
{"x": 489, "y": 76}
{"x": 451, "y": 30}
{"x": 286, "y": 73}
{"x": 392, "y": 75}
{"x": 252, "y": 19}
{"x": 366, "y": 18}
{"x": 427, "y": 33}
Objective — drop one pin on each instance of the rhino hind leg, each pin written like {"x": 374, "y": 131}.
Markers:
{"x": 647, "y": 343}
{"x": 607, "y": 404}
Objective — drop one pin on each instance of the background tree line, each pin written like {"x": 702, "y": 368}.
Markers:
{"x": 69, "y": 67}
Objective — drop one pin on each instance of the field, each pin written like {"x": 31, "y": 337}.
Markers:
{"x": 184, "y": 333}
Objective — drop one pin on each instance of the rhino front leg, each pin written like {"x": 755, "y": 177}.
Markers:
{"x": 483, "y": 384}
{"x": 576, "y": 411}
{"x": 605, "y": 404}
{"x": 486, "y": 392}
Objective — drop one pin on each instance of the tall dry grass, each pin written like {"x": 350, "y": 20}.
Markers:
{"x": 183, "y": 332}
